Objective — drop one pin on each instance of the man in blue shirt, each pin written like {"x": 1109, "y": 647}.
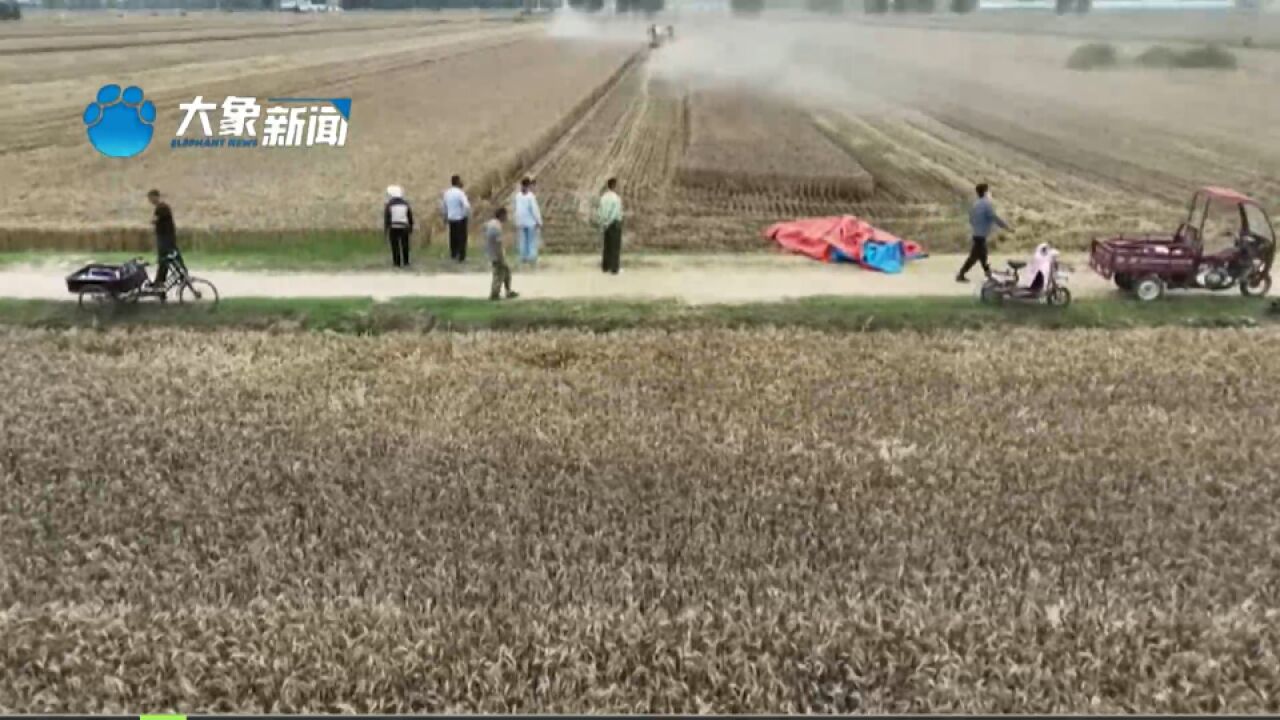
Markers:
{"x": 983, "y": 221}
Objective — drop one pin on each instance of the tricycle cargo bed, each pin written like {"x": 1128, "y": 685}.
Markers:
{"x": 1140, "y": 256}
{"x": 111, "y": 278}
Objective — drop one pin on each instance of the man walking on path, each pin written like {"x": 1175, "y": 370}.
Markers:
{"x": 609, "y": 218}
{"x": 497, "y": 256}
{"x": 456, "y": 209}
{"x": 166, "y": 238}
{"x": 983, "y": 221}
{"x": 397, "y": 222}
{"x": 528, "y": 222}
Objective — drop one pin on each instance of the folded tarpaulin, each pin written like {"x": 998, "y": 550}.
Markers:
{"x": 845, "y": 239}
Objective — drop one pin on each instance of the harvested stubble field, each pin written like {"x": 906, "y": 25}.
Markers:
{"x": 1070, "y": 157}
{"x": 427, "y": 102}
{"x": 1234, "y": 29}
{"x": 557, "y": 521}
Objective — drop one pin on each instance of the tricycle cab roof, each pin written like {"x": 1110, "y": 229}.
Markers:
{"x": 1227, "y": 195}
{"x": 1252, "y": 215}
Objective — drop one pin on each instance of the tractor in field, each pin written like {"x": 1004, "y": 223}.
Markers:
{"x": 1226, "y": 241}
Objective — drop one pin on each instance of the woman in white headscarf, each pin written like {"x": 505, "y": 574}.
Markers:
{"x": 397, "y": 222}
{"x": 1040, "y": 267}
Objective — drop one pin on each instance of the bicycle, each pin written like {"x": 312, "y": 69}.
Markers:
{"x": 98, "y": 286}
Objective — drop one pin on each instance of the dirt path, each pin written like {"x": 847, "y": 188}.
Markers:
{"x": 692, "y": 279}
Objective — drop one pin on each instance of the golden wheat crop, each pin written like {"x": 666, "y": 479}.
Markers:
{"x": 429, "y": 100}
{"x": 744, "y": 141}
{"x": 690, "y": 521}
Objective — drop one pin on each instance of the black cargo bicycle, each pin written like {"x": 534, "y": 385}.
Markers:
{"x": 101, "y": 286}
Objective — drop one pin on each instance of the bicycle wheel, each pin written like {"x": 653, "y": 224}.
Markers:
{"x": 197, "y": 291}
{"x": 96, "y": 300}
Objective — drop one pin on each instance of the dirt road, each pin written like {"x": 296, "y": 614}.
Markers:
{"x": 693, "y": 279}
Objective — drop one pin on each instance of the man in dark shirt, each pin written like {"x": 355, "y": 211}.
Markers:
{"x": 166, "y": 238}
{"x": 983, "y": 222}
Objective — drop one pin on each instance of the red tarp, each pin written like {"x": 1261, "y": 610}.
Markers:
{"x": 833, "y": 239}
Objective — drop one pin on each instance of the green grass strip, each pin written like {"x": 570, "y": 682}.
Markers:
{"x": 835, "y": 314}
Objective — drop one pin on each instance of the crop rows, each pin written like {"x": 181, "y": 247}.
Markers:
{"x": 639, "y": 134}
{"x": 634, "y": 134}
{"x": 741, "y": 141}
{"x": 643, "y": 521}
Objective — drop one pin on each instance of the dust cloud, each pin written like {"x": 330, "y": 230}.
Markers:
{"x": 797, "y": 60}
{"x": 568, "y": 24}
{"x": 910, "y": 64}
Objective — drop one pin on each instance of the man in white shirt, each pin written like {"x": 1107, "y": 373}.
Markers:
{"x": 456, "y": 209}
{"x": 528, "y": 222}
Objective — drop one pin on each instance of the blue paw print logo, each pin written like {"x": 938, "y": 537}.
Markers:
{"x": 119, "y": 123}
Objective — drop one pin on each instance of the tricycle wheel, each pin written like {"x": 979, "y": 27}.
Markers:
{"x": 1124, "y": 282}
{"x": 95, "y": 299}
{"x": 1149, "y": 288}
{"x": 989, "y": 295}
{"x": 1060, "y": 297}
{"x": 1256, "y": 285}
{"x": 197, "y": 291}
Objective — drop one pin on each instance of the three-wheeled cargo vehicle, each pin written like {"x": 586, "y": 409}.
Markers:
{"x": 101, "y": 286}
{"x": 1227, "y": 240}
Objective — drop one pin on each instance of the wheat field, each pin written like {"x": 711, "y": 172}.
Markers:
{"x": 558, "y": 522}
{"x": 424, "y": 94}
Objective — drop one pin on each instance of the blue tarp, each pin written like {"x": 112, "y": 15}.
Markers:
{"x": 885, "y": 257}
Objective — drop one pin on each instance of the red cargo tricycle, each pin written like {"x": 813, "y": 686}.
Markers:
{"x": 1227, "y": 241}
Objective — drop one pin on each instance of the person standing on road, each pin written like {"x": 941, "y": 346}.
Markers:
{"x": 397, "y": 223}
{"x": 457, "y": 210}
{"x": 166, "y": 238}
{"x": 528, "y": 223}
{"x": 497, "y": 256}
{"x": 609, "y": 219}
{"x": 983, "y": 221}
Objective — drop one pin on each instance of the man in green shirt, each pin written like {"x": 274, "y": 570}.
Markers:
{"x": 609, "y": 218}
